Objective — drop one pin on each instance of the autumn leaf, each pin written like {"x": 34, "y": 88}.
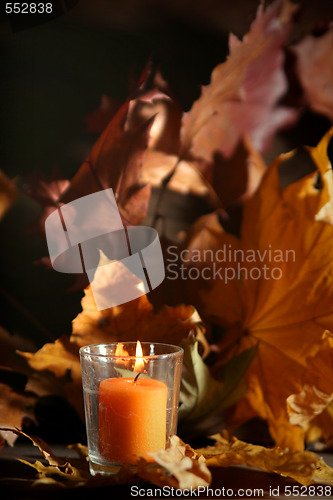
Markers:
{"x": 178, "y": 466}
{"x": 285, "y": 313}
{"x": 61, "y": 358}
{"x": 15, "y": 405}
{"x": 59, "y": 471}
{"x": 164, "y": 133}
{"x": 41, "y": 445}
{"x": 48, "y": 190}
{"x": 98, "y": 119}
{"x": 18, "y": 396}
{"x": 187, "y": 177}
{"x": 202, "y": 397}
{"x": 314, "y": 67}
{"x": 303, "y": 466}
{"x": 236, "y": 178}
{"x": 19, "y": 375}
{"x": 317, "y": 393}
{"x": 115, "y": 162}
{"x": 242, "y": 97}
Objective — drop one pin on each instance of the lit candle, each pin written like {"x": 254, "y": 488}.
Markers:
{"x": 132, "y": 416}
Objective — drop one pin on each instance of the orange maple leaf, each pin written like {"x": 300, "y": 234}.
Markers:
{"x": 290, "y": 231}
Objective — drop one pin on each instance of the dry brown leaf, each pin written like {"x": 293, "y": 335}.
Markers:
{"x": 59, "y": 358}
{"x": 61, "y": 472}
{"x": 187, "y": 178}
{"x": 178, "y": 466}
{"x": 323, "y": 473}
{"x": 62, "y": 359}
{"x": 99, "y": 119}
{"x": 242, "y": 96}
{"x": 14, "y": 407}
{"x": 40, "y": 444}
{"x": 22, "y": 385}
{"x": 286, "y": 317}
{"x": 236, "y": 178}
{"x": 314, "y": 67}
{"x": 303, "y": 466}
{"x": 115, "y": 162}
{"x": 9, "y": 357}
{"x": 317, "y": 391}
{"x": 164, "y": 133}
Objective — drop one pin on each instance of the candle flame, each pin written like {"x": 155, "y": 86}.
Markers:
{"x": 139, "y": 361}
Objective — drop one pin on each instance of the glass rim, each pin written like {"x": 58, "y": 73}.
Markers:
{"x": 84, "y": 350}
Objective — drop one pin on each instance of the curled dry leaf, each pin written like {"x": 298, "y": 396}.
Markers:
{"x": 164, "y": 133}
{"x": 62, "y": 359}
{"x": 316, "y": 394}
{"x": 186, "y": 179}
{"x": 303, "y": 466}
{"x": 14, "y": 407}
{"x": 61, "y": 472}
{"x": 21, "y": 384}
{"x": 286, "y": 313}
{"x": 178, "y": 466}
{"x": 40, "y": 444}
{"x": 244, "y": 91}
{"x": 314, "y": 66}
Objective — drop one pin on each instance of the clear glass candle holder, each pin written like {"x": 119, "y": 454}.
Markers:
{"x": 131, "y": 401}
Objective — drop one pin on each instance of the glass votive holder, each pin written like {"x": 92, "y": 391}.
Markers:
{"x": 130, "y": 399}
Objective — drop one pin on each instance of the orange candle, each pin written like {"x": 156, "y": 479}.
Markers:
{"x": 132, "y": 418}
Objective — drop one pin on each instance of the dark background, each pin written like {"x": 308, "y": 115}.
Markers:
{"x": 54, "y": 73}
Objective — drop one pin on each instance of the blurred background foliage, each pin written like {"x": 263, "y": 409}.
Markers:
{"x": 54, "y": 74}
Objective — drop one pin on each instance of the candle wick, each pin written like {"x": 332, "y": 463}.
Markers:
{"x": 137, "y": 376}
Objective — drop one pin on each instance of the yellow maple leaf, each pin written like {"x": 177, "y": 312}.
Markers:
{"x": 275, "y": 288}
{"x": 303, "y": 466}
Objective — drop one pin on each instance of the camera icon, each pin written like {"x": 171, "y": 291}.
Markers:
{"x": 76, "y": 233}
